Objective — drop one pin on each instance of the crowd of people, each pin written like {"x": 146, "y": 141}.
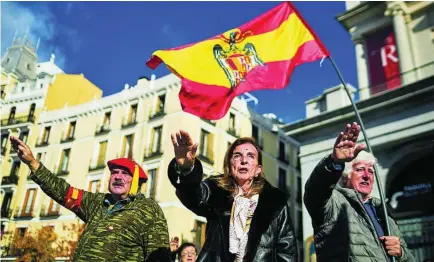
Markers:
{"x": 248, "y": 219}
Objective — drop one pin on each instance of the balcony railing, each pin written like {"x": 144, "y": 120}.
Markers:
{"x": 48, "y": 213}
{"x": 98, "y": 166}
{"x": 6, "y": 213}
{"x": 24, "y": 215}
{"x": 66, "y": 140}
{"x": 149, "y": 153}
{"x": 18, "y": 120}
{"x": 157, "y": 115}
{"x": 129, "y": 123}
{"x": 211, "y": 122}
{"x": 234, "y": 132}
{"x": 10, "y": 180}
{"x": 208, "y": 158}
{"x": 284, "y": 159}
{"x": 102, "y": 130}
{"x": 405, "y": 78}
{"x": 41, "y": 144}
{"x": 61, "y": 172}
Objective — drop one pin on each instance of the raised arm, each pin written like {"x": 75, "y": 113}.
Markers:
{"x": 56, "y": 188}
{"x": 319, "y": 187}
{"x": 186, "y": 173}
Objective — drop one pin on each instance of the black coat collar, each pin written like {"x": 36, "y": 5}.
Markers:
{"x": 271, "y": 201}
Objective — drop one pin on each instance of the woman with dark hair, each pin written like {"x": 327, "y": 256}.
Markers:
{"x": 187, "y": 252}
{"x": 247, "y": 218}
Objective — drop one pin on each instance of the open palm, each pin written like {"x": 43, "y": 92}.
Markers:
{"x": 185, "y": 150}
{"x": 345, "y": 148}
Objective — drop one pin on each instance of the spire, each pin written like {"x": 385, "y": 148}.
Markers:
{"x": 15, "y": 36}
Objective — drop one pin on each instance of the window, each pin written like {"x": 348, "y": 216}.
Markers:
{"x": 6, "y": 204}
{"x": 70, "y": 131}
{"x": 41, "y": 157}
{"x": 15, "y": 168}
{"x": 102, "y": 150}
{"x": 199, "y": 230}
{"x": 282, "y": 179}
{"x": 32, "y": 112}
{"x": 132, "y": 114}
{"x": 29, "y": 201}
{"x": 156, "y": 139}
{"x": 127, "y": 146}
{"x": 231, "y": 121}
{"x": 94, "y": 186}
{"x": 20, "y": 231}
{"x": 151, "y": 183}
{"x": 4, "y": 138}
{"x": 160, "y": 103}
{"x": 299, "y": 188}
{"x": 12, "y": 115}
{"x": 24, "y": 136}
{"x": 106, "y": 121}
{"x": 206, "y": 149}
{"x": 53, "y": 208}
{"x": 256, "y": 134}
{"x": 46, "y": 134}
{"x": 282, "y": 152}
{"x": 64, "y": 160}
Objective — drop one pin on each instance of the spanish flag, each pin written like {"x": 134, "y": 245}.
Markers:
{"x": 260, "y": 54}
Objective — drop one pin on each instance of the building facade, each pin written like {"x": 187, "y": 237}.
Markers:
{"x": 394, "y": 46}
{"x": 75, "y": 135}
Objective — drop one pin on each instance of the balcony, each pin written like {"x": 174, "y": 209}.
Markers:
{"x": 102, "y": 130}
{"x": 129, "y": 123}
{"x": 67, "y": 140}
{"x": 208, "y": 158}
{"x": 48, "y": 213}
{"x": 234, "y": 132}
{"x": 98, "y": 166}
{"x": 10, "y": 180}
{"x": 6, "y": 213}
{"x": 156, "y": 115}
{"x": 61, "y": 173}
{"x": 24, "y": 215}
{"x": 17, "y": 121}
{"x": 43, "y": 143}
{"x": 211, "y": 122}
{"x": 284, "y": 159}
{"x": 150, "y": 154}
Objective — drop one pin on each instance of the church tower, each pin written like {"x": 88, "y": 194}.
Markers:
{"x": 21, "y": 58}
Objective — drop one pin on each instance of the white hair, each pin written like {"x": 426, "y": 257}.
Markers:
{"x": 362, "y": 156}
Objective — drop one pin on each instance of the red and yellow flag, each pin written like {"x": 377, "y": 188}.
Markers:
{"x": 260, "y": 54}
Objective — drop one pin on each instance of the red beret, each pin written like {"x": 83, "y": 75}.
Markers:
{"x": 128, "y": 164}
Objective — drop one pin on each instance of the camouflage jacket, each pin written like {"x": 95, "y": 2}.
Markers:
{"x": 137, "y": 231}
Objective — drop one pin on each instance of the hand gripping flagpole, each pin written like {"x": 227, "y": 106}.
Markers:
{"x": 377, "y": 176}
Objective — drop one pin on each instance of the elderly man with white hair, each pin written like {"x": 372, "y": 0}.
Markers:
{"x": 348, "y": 222}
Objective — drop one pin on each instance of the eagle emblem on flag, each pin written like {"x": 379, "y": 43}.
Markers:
{"x": 236, "y": 61}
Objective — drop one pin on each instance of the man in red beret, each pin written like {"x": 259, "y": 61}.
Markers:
{"x": 122, "y": 225}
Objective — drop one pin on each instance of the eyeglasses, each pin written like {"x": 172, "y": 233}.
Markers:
{"x": 184, "y": 254}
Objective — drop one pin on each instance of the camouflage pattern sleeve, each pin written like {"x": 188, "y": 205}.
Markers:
{"x": 62, "y": 192}
{"x": 157, "y": 238}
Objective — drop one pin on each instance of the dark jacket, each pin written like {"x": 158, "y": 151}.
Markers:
{"x": 136, "y": 232}
{"x": 271, "y": 235}
{"x": 343, "y": 229}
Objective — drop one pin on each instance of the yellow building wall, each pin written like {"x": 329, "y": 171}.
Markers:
{"x": 71, "y": 89}
{"x": 180, "y": 220}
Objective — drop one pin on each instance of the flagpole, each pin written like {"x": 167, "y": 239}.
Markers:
{"x": 377, "y": 176}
